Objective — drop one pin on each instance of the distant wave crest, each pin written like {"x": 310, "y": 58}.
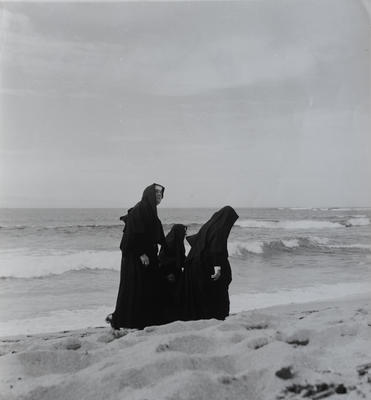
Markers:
{"x": 266, "y": 248}
{"x": 82, "y": 227}
{"x": 358, "y": 221}
{"x": 302, "y": 224}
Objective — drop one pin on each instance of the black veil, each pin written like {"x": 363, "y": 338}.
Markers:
{"x": 213, "y": 235}
{"x": 143, "y": 218}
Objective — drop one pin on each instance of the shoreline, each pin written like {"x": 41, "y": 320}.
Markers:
{"x": 315, "y": 349}
{"x": 76, "y": 319}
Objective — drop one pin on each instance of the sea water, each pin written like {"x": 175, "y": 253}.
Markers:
{"x": 60, "y": 268}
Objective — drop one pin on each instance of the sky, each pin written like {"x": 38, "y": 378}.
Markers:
{"x": 254, "y": 104}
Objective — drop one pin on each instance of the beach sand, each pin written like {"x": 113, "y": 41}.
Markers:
{"x": 297, "y": 351}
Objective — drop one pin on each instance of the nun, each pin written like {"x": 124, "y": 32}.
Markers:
{"x": 171, "y": 260}
{"x": 139, "y": 297}
{"x": 207, "y": 272}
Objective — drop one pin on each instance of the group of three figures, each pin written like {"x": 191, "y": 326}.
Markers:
{"x": 160, "y": 288}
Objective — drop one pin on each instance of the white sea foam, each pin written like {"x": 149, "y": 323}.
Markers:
{"x": 350, "y": 209}
{"x": 359, "y": 221}
{"x": 291, "y": 243}
{"x": 22, "y": 264}
{"x": 250, "y": 301}
{"x": 288, "y": 224}
{"x": 62, "y": 320}
{"x": 311, "y": 243}
{"x": 319, "y": 240}
{"x": 241, "y": 248}
{"x": 350, "y": 246}
{"x": 58, "y": 320}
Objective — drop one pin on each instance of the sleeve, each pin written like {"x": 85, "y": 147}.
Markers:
{"x": 134, "y": 240}
{"x": 166, "y": 261}
{"x": 217, "y": 258}
{"x": 133, "y": 243}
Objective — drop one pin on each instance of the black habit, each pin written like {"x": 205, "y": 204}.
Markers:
{"x": 171, "y": 259}
{"x": 200, "y": 296}
{"x": 139, "y": 301}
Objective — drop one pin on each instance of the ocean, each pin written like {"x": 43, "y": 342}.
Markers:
{"x": 59, "y": 268}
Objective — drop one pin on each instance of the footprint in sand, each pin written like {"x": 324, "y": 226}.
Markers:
{"x": 363, "y": 369}
{"x": 257, "y": 343}
{"x": 39, "y": 363}
{"x": 299, "y": 338}
{"x": 306, "y": 313}
{"x": 191, "y": 344}
{"x": 262, "y": 325}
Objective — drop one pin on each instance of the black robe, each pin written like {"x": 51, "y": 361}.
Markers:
{"x": 200, "y": 296}
{"x": 171, "y": 259}
{"x": 139, "y": 301}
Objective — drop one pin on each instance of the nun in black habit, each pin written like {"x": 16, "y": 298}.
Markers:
{"x": 139, "y": 297}
{"x": 207, "y": 272}
{"x": 171, "y": 259}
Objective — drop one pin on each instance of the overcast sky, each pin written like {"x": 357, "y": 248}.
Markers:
{"x": 254, "y": 103}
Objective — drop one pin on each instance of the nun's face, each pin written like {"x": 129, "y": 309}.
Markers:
{"x": 158, "y": 192}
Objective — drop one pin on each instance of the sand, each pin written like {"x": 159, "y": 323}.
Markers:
{"x": 297, "y": 351}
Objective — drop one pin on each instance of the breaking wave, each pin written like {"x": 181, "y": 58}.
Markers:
{"x": 301, "y": 244}
{"x": 358, "y": 221}
{"x": 22, "y": 264}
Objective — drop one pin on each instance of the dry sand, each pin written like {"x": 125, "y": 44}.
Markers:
{"x": 298, "y": 351}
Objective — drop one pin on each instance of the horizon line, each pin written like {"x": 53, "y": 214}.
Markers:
{"x": 191, "y": 207}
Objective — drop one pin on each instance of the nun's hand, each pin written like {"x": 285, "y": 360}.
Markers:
{"x": 144, "y": 259}
{"x": 217, "y": 273}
